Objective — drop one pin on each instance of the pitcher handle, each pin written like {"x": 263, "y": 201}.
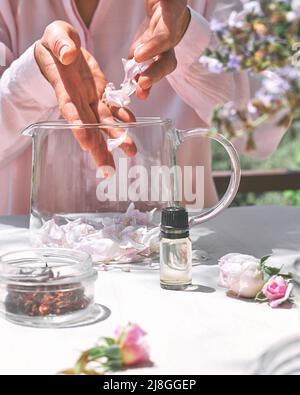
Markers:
{"x": 184, "y": 135}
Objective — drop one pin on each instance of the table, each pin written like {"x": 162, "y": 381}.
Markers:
{"x": 201, "y": 332}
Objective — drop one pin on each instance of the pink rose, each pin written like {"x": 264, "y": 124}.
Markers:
{"x": 277, "y": 290}
{"x": 134, "y": 350}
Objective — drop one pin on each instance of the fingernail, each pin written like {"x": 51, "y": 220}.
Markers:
{"x": 145, "y": 83}
{"x": 106, "y": 172}
{"x": 138, "y": 49}
{"x": 64, "y": 49}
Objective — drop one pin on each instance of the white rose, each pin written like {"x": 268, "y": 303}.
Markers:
{"x": 241, "y": 275}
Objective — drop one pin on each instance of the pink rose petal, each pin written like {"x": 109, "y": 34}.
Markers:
{"x": 277, "y": 303}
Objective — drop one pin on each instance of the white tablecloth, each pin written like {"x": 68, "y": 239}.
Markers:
{"x": 202, "y": 332}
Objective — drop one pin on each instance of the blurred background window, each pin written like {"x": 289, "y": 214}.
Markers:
{"x": 274, "y": 181}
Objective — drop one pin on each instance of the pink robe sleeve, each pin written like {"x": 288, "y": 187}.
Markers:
{"x": 26, "y": 96}
{"x": 202, "y": 90}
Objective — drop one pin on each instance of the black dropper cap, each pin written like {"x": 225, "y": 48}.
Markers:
{"x": 175, "y": 223}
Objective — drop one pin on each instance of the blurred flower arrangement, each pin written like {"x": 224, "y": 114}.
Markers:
{"x": 126, "y": 349}
{"x": 263, "y": 38}
{"x": 250, "y": 278}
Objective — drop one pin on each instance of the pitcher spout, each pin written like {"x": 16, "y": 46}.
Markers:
{"x": 29, "y": 131}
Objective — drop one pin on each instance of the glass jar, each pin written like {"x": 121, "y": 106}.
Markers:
{"x": 46, "y": 287}
{"x": 175, "y": 249}
{"x": 114, "y": 213}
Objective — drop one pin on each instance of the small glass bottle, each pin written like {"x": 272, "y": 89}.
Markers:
{"x": 175, "y": 249}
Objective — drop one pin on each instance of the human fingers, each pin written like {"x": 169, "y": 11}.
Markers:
{"x": 63, "y": 41}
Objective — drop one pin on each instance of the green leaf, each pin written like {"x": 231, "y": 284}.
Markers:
{"x": 114, "y": 365}
{"x": 261, "y": 298}
{"x": 110, "y": 341}
{"x": 264, "y": 259}
{"x": 113, "y": 352}
{"x": 287, "y": 276}
{"x": 271, "y": 271}
{"x": 97, "y": 352}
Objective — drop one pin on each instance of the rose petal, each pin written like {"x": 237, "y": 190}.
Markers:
{"x": 113, "y": 144}
{"x": 124, "y": 237}
{"x": 277, "y": 303}
{"x": 135, "y": 354}
{"x": 121, "y": 97}
{"x": 237, "y": 258}
{"x": 132, "y": 334}
{"x": 134, "y": 349}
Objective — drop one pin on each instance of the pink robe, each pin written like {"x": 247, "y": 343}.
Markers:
{"x": 187, "y": 96}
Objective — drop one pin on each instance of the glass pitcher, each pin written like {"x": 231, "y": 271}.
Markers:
{"x": 115, "y": 218}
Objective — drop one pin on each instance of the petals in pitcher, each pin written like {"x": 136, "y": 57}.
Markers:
{"x": 124, "y": 238}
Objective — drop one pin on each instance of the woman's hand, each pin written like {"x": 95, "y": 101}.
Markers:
{"x": 79, "y": 85}
{"x": 164, "y": 27}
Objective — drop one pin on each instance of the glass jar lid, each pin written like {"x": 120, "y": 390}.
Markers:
{"x": 45, "y": 266}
